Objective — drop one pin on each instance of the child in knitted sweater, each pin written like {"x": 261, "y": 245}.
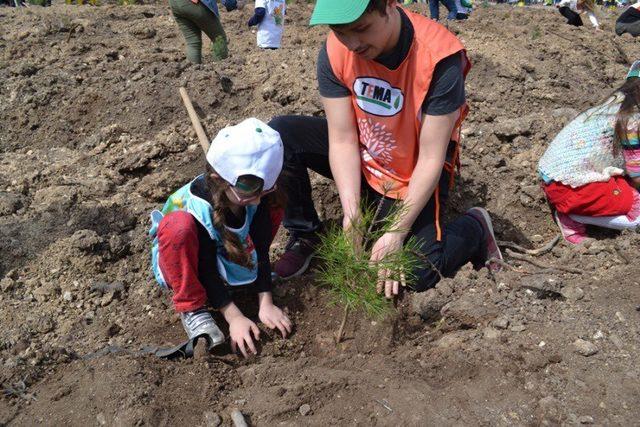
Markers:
{"x": 591, "y": 170}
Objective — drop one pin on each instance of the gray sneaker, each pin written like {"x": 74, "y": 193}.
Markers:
{"x": 200, "y": 323}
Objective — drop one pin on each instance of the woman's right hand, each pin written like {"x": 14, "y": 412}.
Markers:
{"x": 240, "y": 330}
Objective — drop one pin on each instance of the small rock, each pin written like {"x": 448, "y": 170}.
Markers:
{"x": 212, "y": 419}
{"x": 518, "y": 328}
{"x": 620, "y": 317}
{"x": 598, "y": 335}
{"x": 585, "y": 348}
{"x": 451, "y": 340}
{"x": 101, "y": 419}
{"x": 585, "y": 419}
{"x": 490, "y": 333}
{"x": 238, "y": 419}
{"x": 572, "y": 293}
{"x": 305, "y": 410}
{"x": 7, "y": 284}
{"x": 67, "y": 296}
{"x": 537, "y": 238}
{"x": 501, "y": 323}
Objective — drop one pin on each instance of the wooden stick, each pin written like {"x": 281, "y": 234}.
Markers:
{"x": 195, "y": 121}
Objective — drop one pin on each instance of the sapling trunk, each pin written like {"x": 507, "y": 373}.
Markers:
{"x": 340, "y": 333}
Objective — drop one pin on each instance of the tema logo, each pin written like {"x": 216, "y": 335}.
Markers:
{"x": 377, "y": 96}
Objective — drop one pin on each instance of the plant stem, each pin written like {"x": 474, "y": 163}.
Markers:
{"x": 345, "y": 314}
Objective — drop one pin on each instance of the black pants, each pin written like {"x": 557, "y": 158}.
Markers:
{"x": 306, "y": 145}
{"x": 573, "y": 18}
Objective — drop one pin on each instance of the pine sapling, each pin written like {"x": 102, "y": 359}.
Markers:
{"x": 346, "y": 268}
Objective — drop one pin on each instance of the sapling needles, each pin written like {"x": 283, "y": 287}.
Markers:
{"x": 346, "y": 268}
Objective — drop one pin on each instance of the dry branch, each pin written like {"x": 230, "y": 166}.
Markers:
{"x": 535, "y": 252}
{"x": 539, "y": 264}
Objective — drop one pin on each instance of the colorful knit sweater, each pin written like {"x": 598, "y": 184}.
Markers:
{"x": 583, "y": 152}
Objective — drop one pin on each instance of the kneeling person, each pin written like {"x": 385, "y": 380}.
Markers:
{"x": 215, "y": 233}
{"x": 392, "y": 87}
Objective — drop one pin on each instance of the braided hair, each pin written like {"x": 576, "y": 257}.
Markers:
{"x": 220, "y": 202}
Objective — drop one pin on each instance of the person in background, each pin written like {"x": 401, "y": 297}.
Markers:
{"x": 214, "y": 233}
{"x": 571, "y": 9}
{"x": 195, "y": 17}
{"x": 591, "y": 170}
{"x": 629, "y": 21}
{"x": 269, "y": 17}
{"x": 434, "y": 9}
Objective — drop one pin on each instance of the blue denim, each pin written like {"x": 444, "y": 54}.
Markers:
{"x": 434, "y": 8}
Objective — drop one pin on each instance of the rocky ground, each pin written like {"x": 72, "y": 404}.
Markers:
{"x": 94, "y": 136}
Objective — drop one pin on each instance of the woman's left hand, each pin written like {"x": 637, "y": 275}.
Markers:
{"x": 273, "y": 317}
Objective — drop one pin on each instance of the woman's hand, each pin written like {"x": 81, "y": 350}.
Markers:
{"x": 272, "y": 316}
{"x": 240, "y": 330}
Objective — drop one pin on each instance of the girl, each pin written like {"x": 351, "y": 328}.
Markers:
{"x": 216, "y": 231}
{"x": 591, "y": 170}
{"x": 195, "y": 17}
{"x": 571, "y": 9}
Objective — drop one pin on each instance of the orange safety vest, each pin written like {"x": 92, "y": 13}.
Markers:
{"x": 388, "y": 105}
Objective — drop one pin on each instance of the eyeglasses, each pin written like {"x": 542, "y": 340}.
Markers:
{"x": 247, "y": 198}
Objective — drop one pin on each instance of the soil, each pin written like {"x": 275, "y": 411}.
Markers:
{"x": 94, "y": 136}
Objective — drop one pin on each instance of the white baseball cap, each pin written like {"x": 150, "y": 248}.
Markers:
{"x": 249, "y": 148}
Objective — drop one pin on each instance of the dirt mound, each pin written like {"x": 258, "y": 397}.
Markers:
{"x": 94, "y": 136}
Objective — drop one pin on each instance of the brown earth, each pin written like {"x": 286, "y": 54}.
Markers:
{"x": 94, "y": 136}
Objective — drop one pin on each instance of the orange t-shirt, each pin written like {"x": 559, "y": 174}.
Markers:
{"x": 387, "y": 103}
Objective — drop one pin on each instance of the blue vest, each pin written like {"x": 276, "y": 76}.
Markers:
{"x": 200, "y": 209}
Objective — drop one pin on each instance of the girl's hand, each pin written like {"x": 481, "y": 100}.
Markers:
{"x": 272, "y": 316}
{"x": 240, "y": 330}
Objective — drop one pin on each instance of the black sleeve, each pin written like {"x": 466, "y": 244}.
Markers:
{"x": 446, "y": 92}
{"x": 260, "y": 232}
{"x": 328, "y": 84}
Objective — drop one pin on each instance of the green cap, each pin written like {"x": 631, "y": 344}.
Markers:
{"x": 336, "y": 12}
{"x": 634, "y": 71}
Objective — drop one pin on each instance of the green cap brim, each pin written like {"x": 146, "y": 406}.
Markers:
{"x": 336, "y": 12}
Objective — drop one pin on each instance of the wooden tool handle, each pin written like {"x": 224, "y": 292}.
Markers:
{"x": 195, "y": 121}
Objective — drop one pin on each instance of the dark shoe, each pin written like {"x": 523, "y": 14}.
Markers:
{"x": 493, "y": 251}
{"x": 296, "y": 257}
